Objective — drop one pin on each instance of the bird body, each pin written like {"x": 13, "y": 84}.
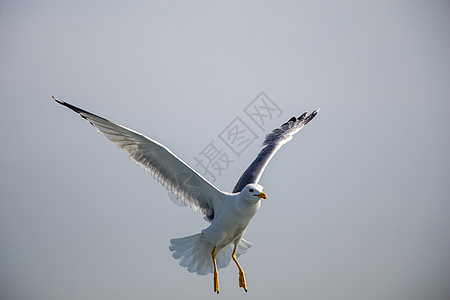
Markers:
{"x": 230, "y": 224}
{"x": 229, "y": 213}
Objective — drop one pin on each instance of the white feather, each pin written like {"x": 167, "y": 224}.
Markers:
{"x": 194, "y": 253}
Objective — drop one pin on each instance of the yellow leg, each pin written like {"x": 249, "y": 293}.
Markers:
{"x": 242, "y": 282}
{"x": 216, "y": 274}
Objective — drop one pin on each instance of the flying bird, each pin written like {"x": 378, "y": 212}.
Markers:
{"x": 228, "y": 213}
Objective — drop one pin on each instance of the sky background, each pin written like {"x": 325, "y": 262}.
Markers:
{"x": 358, "y": 201}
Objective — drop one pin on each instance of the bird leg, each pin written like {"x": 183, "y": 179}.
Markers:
{"x": 216, "y": 274}
{"x": 242, "y": 282}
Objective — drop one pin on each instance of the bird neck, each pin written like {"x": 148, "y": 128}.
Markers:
{"x": 247, "y": 205}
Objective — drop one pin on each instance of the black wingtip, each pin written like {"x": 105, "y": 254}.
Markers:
{"x": 293, "y": 119}
{"x": 74, "y": 108}
{"x": 311, "y": 116}
{"x": 83, "y": 113}
{"x": 57, "y": 100}
{"x": 302, "y": 117}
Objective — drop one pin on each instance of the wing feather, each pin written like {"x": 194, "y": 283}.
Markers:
{"x": 173, "y": 173}
{"x": 273, "y": 142}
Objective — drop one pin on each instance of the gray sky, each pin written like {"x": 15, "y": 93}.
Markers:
{"x": 358, "y": 200}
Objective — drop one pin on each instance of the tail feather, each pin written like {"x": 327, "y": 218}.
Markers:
{"x": 242, "y": 247}
{"x": 194, "y": 253}
{"x": 182, "y": 249}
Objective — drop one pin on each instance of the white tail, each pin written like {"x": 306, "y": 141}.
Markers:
{"x": 194, "y": 253}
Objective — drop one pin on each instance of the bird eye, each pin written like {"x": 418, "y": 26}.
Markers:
{"x": 251, "y": 190}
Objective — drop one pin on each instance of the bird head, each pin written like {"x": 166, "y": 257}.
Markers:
{"x": 253, "y": 191}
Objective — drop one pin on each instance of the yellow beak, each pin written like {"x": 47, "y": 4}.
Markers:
{"x": 261, "y": 195}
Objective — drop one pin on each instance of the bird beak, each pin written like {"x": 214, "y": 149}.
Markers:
{"x": 261, "y": 195}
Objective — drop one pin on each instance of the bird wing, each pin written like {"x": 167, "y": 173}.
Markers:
{"x": 173, "y": 173}
{"x": 273, "y": 142}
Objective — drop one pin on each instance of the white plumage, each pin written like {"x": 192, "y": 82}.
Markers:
{"x": 229, "y": 213}
{"x": 194, "y": 253}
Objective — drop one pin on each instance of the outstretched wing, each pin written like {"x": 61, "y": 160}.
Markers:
{"x": 274, "y": 140}
{"x": 174, "y": 174}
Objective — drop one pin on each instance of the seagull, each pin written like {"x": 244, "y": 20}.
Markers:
{"x": 228, "y": 213}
